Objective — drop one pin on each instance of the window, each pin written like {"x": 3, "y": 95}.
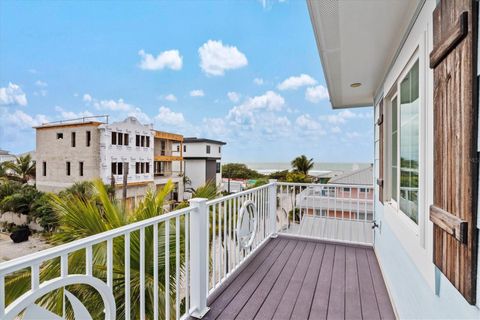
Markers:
{"x": 142, "y": 167}
{"x": 114, "y": 138}
{"x": 88, "y": 138}
{"x": 73, "y": 139}
{"x": 346, "y": 189}
{"x": 405, "y": 110}
{"x": 218, "y": 167}
{"x": 147, "y": 140}
{"x": 119, "y": 138}
{"x": 363, "y": 190}
{"x": 137, "y": 167}
{"x": 125, "y": 139}
{"x": 44, "y": 168}
{"x": 142, "y": 141}
{"x": 184, "y": 148}
{"x": 147, "y": 167}
{"x": 80, "y": 168}
{"x": 59, "y": 135}
{"x": 137, "y": 140}
{"x": 119, "y": 168}
{"x": 219, "y": 149}
{"x": 114, "y": 168}
{"x": 68, "y": 168}
{"x": 208, "y": 149}
{"x": 178, "y": 148}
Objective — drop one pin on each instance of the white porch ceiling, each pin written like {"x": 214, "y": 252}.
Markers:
{"x": 357, "y": 41}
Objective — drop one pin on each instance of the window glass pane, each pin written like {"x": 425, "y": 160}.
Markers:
{"x": 394, "y": 149}
{"x": 409, "y": 143}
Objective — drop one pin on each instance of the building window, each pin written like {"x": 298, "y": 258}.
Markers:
{"x": 218, "y": 167}
{"x": 88, "y": 138}
{"x": 114, "y": 168}
{"x": 147, "y": 167}
{"x": 119, "y": 138}
{"x": 137, "y": 140}
{"x": 125, "y": 139}
{"x": 114, "y": 138}
{"x": 80, "y": 168}
{"x": 178, "y": 148}
{"x": 119, "y": 168}
{"x": 363, "y": 190}
{"x": 142, "y": 167}
{"x": 208, "y": 149}
{"x": 44, "y": 168}
{"x": 346, "y": 189}
{"x": 404, "y": 152}
{"x": 147, "y": 142}
{"x": 59, "y": 135}
{"x": 184, "y": 148}
{"x": 68, "y": 168}
{"x": 137, "y": 167}
{"x": 219, "y": 149}
{"x": 73, "y": 139}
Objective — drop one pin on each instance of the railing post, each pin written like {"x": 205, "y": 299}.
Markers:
{"x": 272, "y": 207}
{"x": 198, "y": 257}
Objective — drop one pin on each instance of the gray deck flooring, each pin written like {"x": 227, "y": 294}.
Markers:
{"x": 291, "y": 278}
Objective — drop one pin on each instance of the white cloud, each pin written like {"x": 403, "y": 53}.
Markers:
{"x": 140, "y": 115}
{"x": 167, "y": 59}
{"x": 40, "y": 83}
{"x": 305, "y": 121}
{"x": 42, "y": 93}
{"x": 167, "y": 116}
{"x": 233, "y": 96}
{"x": 315, "y": 94}
{"x": 197, "y": 93}
{"x": 296, "y": 82}
{"x": 336, "y": 129}
{"x": 258, "y": 81}
{"x": 353, "y": 135}
{"x": 64, "y": 114}
{"x": 216, "y": 58}
{"x": 21, "y": 120}
{"x": 112, "y": 105}
{"x": 215, "y": 127}
{"x": 243, "y": 114}
{"x": 341, "y": 117}
{"x": 12, "y": 95}
{"x": 170, "y": 97}
{"x": 87, "y": 97}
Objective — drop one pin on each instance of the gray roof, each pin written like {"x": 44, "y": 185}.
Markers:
{"x": 4, "y": 152}
{"x": 195, "y": 139}
{"x": 359, "y": 177}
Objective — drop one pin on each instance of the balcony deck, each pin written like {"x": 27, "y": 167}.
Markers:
{"x": 293, "y": 278}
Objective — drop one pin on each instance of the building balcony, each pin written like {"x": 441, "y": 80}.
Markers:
{"x": 261, "y": 253}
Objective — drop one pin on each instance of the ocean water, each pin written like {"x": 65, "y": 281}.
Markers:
{"x": 318, "y": 167}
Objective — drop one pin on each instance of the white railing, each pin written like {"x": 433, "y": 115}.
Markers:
{"x": 326, "y": 211}
{"x": 165, "y": 267}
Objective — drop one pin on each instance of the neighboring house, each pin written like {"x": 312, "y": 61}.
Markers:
{"x": 346, "y": 196}
{"x": 73, "y": 151}
{"x": 6, "y": 156}
{"x": 202, "y": 161}
{"x": 416, "y": 62}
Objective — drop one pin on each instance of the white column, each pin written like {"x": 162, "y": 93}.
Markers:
{"x": 272, "y": 207}
{"x": 198, "y": 257}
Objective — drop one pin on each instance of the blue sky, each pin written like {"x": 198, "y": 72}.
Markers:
{"x": 246, "y": 72}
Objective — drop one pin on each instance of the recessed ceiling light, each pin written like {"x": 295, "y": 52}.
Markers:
{"x": 355, "y": 85}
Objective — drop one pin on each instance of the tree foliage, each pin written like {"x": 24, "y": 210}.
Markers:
{"x": 21, "y": 169}
{"x": 239, "y": 171}
{"x": 302, "y": 164}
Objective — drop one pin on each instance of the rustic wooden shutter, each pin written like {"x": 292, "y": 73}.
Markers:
{"x": 380, "y": 151}
{"x": 453, "y": 212}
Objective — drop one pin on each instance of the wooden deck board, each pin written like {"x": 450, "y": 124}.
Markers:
{"x": 293, "y": 278}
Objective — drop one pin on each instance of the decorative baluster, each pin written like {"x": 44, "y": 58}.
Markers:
{"x": 167, "y": 269}
{"x": 127, "y": 276}
{"x": 155, "y": 271}
{"x": 142, "y": 273}
{"x": 177, "y": 267}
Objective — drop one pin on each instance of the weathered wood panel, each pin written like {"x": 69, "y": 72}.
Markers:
{"x": 455, "y": 130}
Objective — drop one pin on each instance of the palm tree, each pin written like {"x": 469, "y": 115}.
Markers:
{"x": 302, "y": 164}
{"x": 81, "y": 217}
{"x": 21, "y": 169}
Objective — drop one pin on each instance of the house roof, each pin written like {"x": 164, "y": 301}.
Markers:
{"x": 199, "y": 140}
{"x": 357, "y": 42}
{"x": 4, "y": 152}
{"x": 358, "y": 177}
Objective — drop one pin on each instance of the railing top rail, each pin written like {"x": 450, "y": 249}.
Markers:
{"x": 238, "y": 194}
{"x": 366, "y": 186}
{"x": 47, "y": 254}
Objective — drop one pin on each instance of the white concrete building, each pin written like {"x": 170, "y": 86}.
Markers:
{"x": 202, "y": 161}
{"x": 6, "y": 156}
{"x": 73, "y": 151}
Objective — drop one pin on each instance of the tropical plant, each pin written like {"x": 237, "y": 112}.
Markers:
{"x": 239, "y": 171}
{"x": 208, "y": 190}
{"x": 21, "y": 169}
{"x": 279, "y": 175}
{"x": 298, "y": 177}
{"x": 302, "y": 164}
{"x": 21, "y": 201}
{"x": 43, "y": 212}
{"x": 81, "y": 217}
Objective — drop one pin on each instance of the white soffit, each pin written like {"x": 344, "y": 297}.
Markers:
{"x": 357, "y": 41}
